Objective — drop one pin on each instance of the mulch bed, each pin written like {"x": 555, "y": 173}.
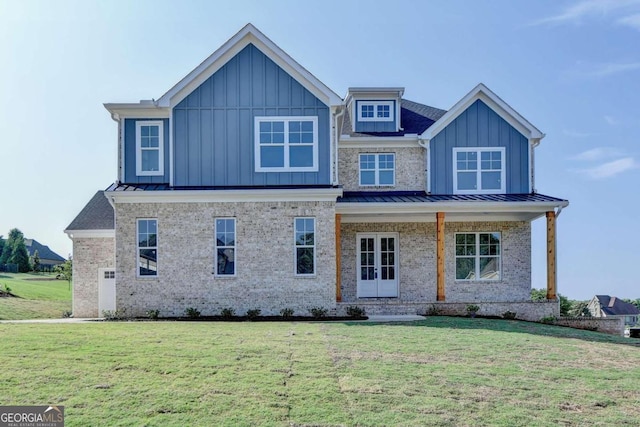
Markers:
{"x": 246, "y": 319}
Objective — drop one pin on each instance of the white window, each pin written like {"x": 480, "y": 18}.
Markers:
{"x": 286, "y": 144}
{"x": 479, "y": 170}
{"x": 375, "y": 111}
{"x": 377, "y": 169}
{"x": 478, "y": 256}
{"x": 149, "y": 148}
{"x": 305, "y": 246}
{"x": 147, "y": 247}
{"x": 225, "y": 246}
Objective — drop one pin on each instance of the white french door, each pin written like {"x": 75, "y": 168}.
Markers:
{"x": 377, "y": 268}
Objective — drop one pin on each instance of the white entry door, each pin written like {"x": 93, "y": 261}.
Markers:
{"x": 106, "y": 290}
{"x": 377, "y": 268}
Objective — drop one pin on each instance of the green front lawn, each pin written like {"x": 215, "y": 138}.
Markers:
{"x": 439, "y": 371}
{"x": 40, "y": 296}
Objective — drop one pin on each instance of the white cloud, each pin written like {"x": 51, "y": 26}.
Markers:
{"x": 609, "y": 169}
{"x": 632, "y": 21}
{"x": 588, "y": 9}
{"x": 575, "y": 133}
{"x": 611, "y": 120}
{"x": 598, "y": 153}
{"x": 607, "y": 69}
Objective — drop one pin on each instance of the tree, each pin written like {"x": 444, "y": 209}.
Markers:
{"x": 1, "y": 246}
{"x": 36, "y": 261}
{"x": 15, "y": 251}
{"x": 65, "y": 270}
{"x": 541, "y": 295}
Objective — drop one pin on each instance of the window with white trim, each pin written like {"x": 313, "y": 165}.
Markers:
{"x": 286, "y": 144}
{"x": 149, "y": 148}
{"x": 147, "y": 247}
{"x": 479, "y": 170}
{"x": 375, "y": 111}
{"x": 225, "y": 246}
{"x": 377, "y": 169}
{"x": 305, "y": 246}
{"x": 478, "y": 256}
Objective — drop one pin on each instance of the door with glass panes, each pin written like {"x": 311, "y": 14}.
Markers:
{"x": 377, "y": 267}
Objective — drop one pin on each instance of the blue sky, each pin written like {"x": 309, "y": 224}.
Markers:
{"x": 572, "y": 68}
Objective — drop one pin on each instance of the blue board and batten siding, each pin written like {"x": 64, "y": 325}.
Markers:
{"x": 376, "y": 126}
{"x": 214, "y": 125}
{"x": 130, "y": 176}
{"x": 479, "y": 126}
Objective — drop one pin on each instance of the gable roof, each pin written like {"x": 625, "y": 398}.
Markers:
{"x": 98, "y": 214}
{"x": 248, "y": 34}
{"x": 415, "y": 118}
{"x": 43, "y": 250}
{"x": 504, "y": 110}
{"x": 613, "y": 306}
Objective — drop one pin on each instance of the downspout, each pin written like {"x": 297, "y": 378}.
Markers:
{"x": 427, "y": 182}
{"x": 336, "y": 133}
{"x": 116, "y": 118}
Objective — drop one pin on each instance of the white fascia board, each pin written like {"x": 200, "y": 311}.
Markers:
{"x": 227, "y": 196}
{"x": 447, "y": 207}
{"x": 84, "y": 234}
{"x": 409, "y": 141}
{"x": 248, "y": 34}
{"x": 494, "y": 102}
{"x": 138, "y": 111}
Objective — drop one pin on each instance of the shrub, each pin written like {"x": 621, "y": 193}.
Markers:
{"x": 548, "y": 319}
{"x": 7, "y": 289}
{"x": 228, "y": 313}
{"x": 355, "y": 311}
{"x": 253, "y": 314}
{"x": 286, "y": 312}
{"x": 434, "y": 310}
{"x": 509, "y": 315}
{"x": 318, "y": 312}
{"x": 67, "y": 314}
{"x": 192, "y": 313}
{"x": 472, "y": 309}
{"x": 153, "y": 314}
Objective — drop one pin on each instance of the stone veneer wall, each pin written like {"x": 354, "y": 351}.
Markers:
{"x": 264, "y": 259}
{"x": 89, "y": 254}
{"x": 417, "y": 261}
{"x": 608, "y": 325}
{"x": 410, "y": 169}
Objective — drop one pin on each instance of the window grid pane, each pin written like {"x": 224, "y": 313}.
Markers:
{"x": 377, "y": 169}
{"x": 286, "y": 143}
{"x": 225, "y": 233}
{"x": 479, "y": 170}
{"x": 304, "y": 232}
{"x": 477, "y": 256}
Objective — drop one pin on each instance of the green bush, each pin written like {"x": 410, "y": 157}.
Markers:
{"x": 434, "y": 310}
{"x": 67, "y": 314}
{"x": 286, "y": 313}
{"x": 472, "y": 309}
{"x": 318, "y": 312}
{"x": 253, "y": 314}
{"x": 192, "y": 313}
{"x": 228, "y": 313}
{"x": 548, "y": 319}
{"x": 355, "y": 311}
{"x": 509, "y": 315}
{"x": 153, "y": 314}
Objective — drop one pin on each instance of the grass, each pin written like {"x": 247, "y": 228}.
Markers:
{"x": 37, "y": 298}
{"x": 440, "y": 371}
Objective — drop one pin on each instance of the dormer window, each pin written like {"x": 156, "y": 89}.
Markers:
{"x": 149, "y": 148}
{"x": 375, "y": 111}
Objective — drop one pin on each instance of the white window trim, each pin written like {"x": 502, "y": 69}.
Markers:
{"x": 235, "y": 249}
{"x": 503, "y": 174}
{"x": 146, "y": 276}
{"x": 295, "y": 247}
{"x": 376, "y": 170}
{"x": 286, "y": 145}
{"x": 139, "y": 148}
{"x": 375, "y": 117}
{"x": 477, "y": 257}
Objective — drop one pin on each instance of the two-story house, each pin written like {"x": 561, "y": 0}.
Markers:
{"x": 251, "y": 184}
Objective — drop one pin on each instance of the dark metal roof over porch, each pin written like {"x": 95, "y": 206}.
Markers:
{"x": 422, "y": 197}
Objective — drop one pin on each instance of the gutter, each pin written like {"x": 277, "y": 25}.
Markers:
{"x": 336, "y": 134}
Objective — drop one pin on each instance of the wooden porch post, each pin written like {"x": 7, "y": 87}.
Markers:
{"x": 338, "y": 259}
{"x": 551, "y": 255}
{"x": 440, "y": 255}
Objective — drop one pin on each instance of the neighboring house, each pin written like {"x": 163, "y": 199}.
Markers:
{"x": 606, "y": 306}
{"x": 48, "y": 258}
{"x": 251, "y": 184}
